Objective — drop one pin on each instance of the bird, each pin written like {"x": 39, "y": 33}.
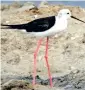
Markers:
{"x": 45, "y": 27}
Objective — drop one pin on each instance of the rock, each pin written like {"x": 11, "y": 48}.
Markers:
{"x": 17, "y": 85}
{"x": 43, "y": 4}
{"x": 15, "y": 5}
{"x": 24, "y": 85}
{"x": 27, "y": 6}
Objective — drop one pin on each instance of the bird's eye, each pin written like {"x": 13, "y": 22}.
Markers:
{"x": 67, "y": 13}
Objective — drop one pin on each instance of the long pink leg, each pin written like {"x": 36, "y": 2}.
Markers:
{"x": 35, "y": 55}
{"x": 48, "y": 67}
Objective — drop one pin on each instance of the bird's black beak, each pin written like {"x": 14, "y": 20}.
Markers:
{"x": 77, "y": 19}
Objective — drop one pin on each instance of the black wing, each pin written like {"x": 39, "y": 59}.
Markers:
{"x": 38, "y": 25}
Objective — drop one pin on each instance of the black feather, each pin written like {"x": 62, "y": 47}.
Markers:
{"x": 38, "y": 25}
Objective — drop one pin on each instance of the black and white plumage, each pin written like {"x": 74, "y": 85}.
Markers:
{"x": 47, "y": 26}
{"x": 38, "y": 25}
{"x": 43, "y": 27}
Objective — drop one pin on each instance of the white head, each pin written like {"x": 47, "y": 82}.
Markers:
{"x": 64, "y": 13}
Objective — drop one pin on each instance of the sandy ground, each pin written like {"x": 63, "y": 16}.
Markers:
{"x": 66, "y": 53}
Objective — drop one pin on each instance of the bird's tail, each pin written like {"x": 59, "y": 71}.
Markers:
{"x": 18, "y": 26}
{"x": 3, "y": 26}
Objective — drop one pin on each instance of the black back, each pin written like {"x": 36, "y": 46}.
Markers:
{"x": 38, "y": 25}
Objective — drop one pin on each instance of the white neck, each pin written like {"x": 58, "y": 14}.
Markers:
{"x": 61, "y": 23}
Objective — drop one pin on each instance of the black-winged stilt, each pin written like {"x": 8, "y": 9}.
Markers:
{"x": 45, "y": 27}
